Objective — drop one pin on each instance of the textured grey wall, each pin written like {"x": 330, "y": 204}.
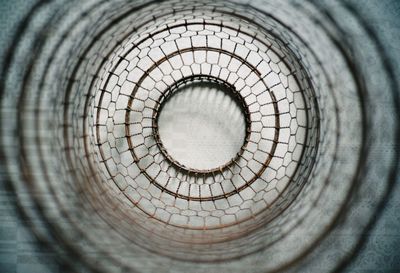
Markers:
{"x": 381, "y": 252}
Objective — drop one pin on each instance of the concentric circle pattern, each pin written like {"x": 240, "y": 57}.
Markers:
{"x": 183, "y": 49}
{"x": 197, "y": 136}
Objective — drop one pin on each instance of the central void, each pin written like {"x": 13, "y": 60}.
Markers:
{"x": 202, "y": 126}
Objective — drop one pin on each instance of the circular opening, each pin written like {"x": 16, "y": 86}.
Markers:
{"x": 201, "y": 126}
